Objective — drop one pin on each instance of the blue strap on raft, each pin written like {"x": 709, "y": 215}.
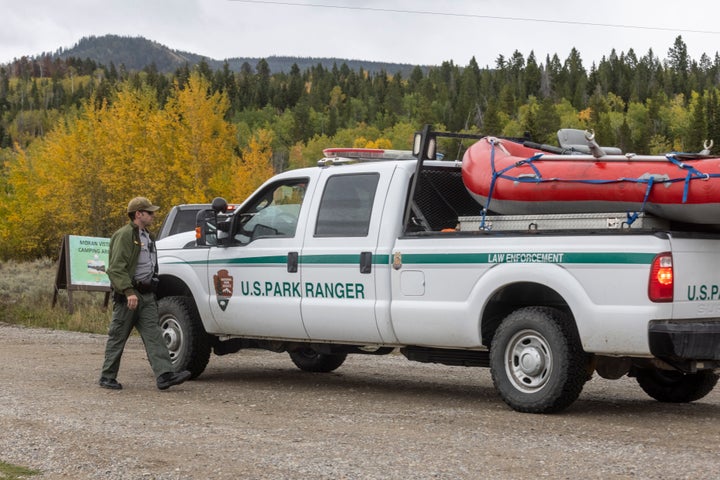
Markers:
{"x": 692, "y": 174}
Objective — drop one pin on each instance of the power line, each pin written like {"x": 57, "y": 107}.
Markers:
{"x": 472, "y": 15}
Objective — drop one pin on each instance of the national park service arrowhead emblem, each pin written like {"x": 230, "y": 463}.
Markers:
{"x": 223, "y": 288}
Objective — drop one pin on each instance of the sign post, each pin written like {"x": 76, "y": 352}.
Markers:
{"x": 81, "y": 266}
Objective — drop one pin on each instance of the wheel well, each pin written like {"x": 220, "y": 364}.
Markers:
{"x": 514, "y": 296}
{"x": 172, "y": 286}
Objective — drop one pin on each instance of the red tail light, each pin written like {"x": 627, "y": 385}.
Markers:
{"x": 660, "y": 286}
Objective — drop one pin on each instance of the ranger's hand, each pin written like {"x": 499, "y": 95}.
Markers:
{"x": 132, "y": 302}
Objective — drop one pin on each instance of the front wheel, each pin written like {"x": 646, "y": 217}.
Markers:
{"x": 536, "y": 360}
{"x": 309, "y": 360}
{"x": 184, "y": 335}
{"x": 676, "y": 387}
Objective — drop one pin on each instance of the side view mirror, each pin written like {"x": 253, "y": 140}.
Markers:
{"x": 205, "y": 227}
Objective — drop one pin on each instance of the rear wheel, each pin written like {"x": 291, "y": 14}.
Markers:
{"x": 536, "y": 360}
{"x": 676, "y": 387}
{"x": 184, "y": 335}
{"x": 309, "y": 360}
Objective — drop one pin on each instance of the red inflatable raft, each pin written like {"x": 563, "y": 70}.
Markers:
{"x": 509, "y": 178}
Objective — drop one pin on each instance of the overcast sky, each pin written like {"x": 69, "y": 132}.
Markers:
{"x": 405, "y": 31}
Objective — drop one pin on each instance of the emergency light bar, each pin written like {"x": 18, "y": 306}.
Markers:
{"x": 339, "y": 156}
{"x": 368, "y": 154}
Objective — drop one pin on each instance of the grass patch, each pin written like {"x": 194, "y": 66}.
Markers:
{"x": 26, "y": 295}
{"x": 14, "y": 472}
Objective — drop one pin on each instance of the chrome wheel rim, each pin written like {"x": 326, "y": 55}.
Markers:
{"x": 173, "y": 336}
{"x": 528, "y": 361}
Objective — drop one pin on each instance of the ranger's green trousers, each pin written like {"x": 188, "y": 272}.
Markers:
{"x": 145, "y": 319}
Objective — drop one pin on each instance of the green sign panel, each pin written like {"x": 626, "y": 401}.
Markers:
{"x": 88, "y": 258}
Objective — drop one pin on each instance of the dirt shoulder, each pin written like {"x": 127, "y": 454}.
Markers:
{"x": 254, "y": 415}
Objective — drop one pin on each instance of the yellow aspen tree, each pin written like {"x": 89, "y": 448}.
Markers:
{"x": 203, "y": 143}
{"x": 104, "y": 159}
{"x": 55, "y": 190}
{"x": 255, "y": 166}
{"x": 124, "y": 141}
{"x": 67, "y": 164}
{"x": 382, "y": 143}
{"x": 21, "y": 233}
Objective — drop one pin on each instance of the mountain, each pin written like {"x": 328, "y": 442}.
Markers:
{"x": 135, "y": 53}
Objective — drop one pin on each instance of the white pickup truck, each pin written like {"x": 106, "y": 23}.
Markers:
{"x": 372, "y": 252}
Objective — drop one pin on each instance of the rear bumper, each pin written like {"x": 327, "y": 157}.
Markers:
{"x": 678, "y": 340}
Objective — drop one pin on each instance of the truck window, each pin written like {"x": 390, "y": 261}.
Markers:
{"x": 273, "y": 213}
{"x": 184, "y": 221}
{"x": 346, "y": 205}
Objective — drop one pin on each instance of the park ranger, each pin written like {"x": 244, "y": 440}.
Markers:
{"x": 132, "y": 270}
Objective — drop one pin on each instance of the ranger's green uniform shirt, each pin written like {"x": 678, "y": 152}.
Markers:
{"x": 124, "y": 253}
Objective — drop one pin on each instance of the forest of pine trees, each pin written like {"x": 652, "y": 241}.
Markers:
{"x": 77, "y": 139}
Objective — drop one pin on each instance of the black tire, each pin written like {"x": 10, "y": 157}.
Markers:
{"x": 676, "y": 387}
{"x": 309, "y": 360}
{"x": 537, "y": 362}
{"x": 184, "y": 335}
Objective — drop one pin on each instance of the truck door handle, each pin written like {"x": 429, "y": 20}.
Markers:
{"x": 292, "y": 262}
{"x": 365, "y": 262}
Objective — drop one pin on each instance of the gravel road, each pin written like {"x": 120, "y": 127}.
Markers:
{"x": 254, "y": 415}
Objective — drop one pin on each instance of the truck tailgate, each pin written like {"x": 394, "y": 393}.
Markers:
{"x": 696, "y": 271}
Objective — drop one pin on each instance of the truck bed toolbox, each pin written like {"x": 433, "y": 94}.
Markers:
{"x": 570, "y": 221}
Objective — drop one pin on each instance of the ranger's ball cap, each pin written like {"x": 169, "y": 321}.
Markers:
{"x": 141, "y": 203}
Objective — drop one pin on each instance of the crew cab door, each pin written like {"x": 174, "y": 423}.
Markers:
{"x": 253, "y": 277}
{"x": 339, "y": 257}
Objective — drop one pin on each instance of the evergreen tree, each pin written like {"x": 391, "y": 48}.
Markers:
{"x": 624, "y": 137}
{"x": 507, "y": 101}
{"x": 575, "y": 78}
{"x": 491, "y": 124}
{"x": 679, "y": 65}
{"x": 416, "y": 77}
{"x": 393, "y": 98}
{"x": 547, "y": 122}
{"x": 698, "y": 131}
{"x": 261, "y": 85}
{"x": 245, "y": 88}
{"x": 516, "y": 74}
{"x": 295, "y": 86}
{"x": 467, "y": 104}
{"x": 532, "y": 77}
{"x": 553, "y": 83}
{"x": 713, "y": 118}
